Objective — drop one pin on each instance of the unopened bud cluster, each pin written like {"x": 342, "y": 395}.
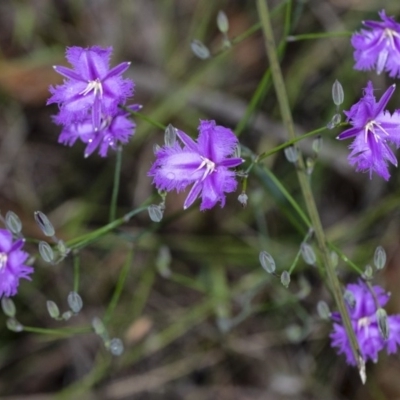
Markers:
{"x": 74, "y": 302}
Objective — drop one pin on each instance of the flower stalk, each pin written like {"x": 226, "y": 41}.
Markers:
{"x": 304, "y": 182}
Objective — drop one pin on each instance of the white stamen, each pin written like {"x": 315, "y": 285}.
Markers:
{"x": 370, "y": 127}
{"x": 96, "y": 86}
{"x": 390, "y": 34}
{"x": 363, "y": 322}
{"x": 3, "y": 260}
{"x": 210, "y": 167}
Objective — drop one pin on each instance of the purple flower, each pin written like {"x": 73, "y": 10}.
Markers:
{"x": 112, "y": 132}
{"x": 12, "y": 267}
{"x": 204, "y": 164}
{"x": 91, "y": 86}
{"x": 378, "y": 47}
{"x": 363, "y": 318}
{"x": 373, "y": 128}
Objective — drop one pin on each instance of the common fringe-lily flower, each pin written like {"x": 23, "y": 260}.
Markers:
{"x": 204, "y": 164}
{"x": 373, "y": 128}
{"x": 12, "y": 267}
{"x": 112, "y": 132}
{"x": 91, "y": 86}
{"x": 378, "y": 47}
{"x": 366, "y": 325}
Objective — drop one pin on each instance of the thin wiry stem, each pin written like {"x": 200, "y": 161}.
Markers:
{"x": 304, "y": 182}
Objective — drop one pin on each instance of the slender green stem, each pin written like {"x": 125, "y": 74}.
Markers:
{"x": 290, "y": 143}
{"x": 118, "y": 288}
{"x": 146, "y": 118}
{"x": 95, "y": 235}
{"x": 117, "y": 175}
{"x": 304, "y": 182}
{"x": 76, "y": 261}
{"x": 319, "y": 35}
{"x": 57, "y": 332}
{"x": 345, "y": 258}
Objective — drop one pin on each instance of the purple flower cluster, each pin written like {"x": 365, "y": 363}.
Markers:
{"x": 204, "y": 164}
{"x": 365, "y": 324}
{"x": 374, "y": 128}
{"x": 89, "y": 100}
{"x": 379, "y": 46}
{"x": 12, "y": 267}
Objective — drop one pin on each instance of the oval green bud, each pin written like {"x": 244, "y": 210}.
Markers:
{"x": 222, "y": 22}
{"x": 285, "y": 279}
{"x": 267, "y": 262}
{"x": 155, "y": 213}
{"x": 46, "y": 252}
{"x": 200, "y": 50}
{"x": 14, "y": 325}
{"x": 13, "y": 223}
{"x": 337, "y": 93}
{"x": 52, "y": 309}
{"x": 116, "y": 347}
{"x": 380, "y": 257}
{"x": 323, "y": 310}
{"x": 8, "y": 307}
{"x": 170, "y": 136}
{"x": 383, "y": 325}
{"x": 291, "y": 154}
{"x": 308, "y": 254}
{"x": 75, "y": 302}
{"x": 44, "y": 224}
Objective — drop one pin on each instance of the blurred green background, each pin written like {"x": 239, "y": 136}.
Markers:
{"x": 209, "y": 324}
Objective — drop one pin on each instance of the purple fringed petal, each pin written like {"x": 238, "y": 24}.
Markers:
{"x": 378, "y": 47}
{"x": 363, "y": 317}
{"x": 204, "y": 164}
{"x": 12, "y": 267}
{"x": 91, "y": 87}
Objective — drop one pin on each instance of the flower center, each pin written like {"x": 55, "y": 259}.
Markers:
{"x": 370, "y": 127}
{"x": 363, "y": 322}
{"x": 3, "y": 260}
{"x": 390, "y": 34}
{"x": 209, "y": 167}
{"x": 96, "y": 86}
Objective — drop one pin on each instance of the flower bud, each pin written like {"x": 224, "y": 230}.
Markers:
{"x": 155, "y": 213}
{"x": 285, "y": 279}
{"x": 44, "y": 224}
{"x": 242, "y": 198}
{"x": 368, "y": 273}
{"x": 116, "y": 347}
{"x": 337, "y": 93}
{"x": 170, "y": 136}
{"x": 200, "y": 50}
{"x": 52, "y": 309}
{"x": 156, "y": 148}
{"x": 75, "y": 302}
{"x": 222, "y": 22}
{"x": 308, "y": 254}
{"x": 349, "y": 299}
{"x": 163, "y": 262}
{"x": 98, "y": 326}
{"x": 62, "y": 248}
{"x": 334, "y": 259}
{"x": 13, "y": 223}
{"x": 323, "y": 310}
{"x": 267, "y": 262}
{"x": 291, "y": 154}
{"x": 14, "y": 325}
{"x": 317, "y": 144}
{"x": 380, "y": 257}
{"x": 66, "y": 315}
{"x": 46, "y": 252}
{"x": 383, "y": 325}
{"x": 8, "y": 307}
